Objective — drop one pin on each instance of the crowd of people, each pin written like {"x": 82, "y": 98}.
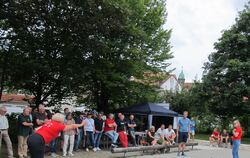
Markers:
{"x": 39, "y": 125}
{"x": 38, "y": 129}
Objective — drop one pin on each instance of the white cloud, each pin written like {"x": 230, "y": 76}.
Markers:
{"x": 196, "y": 25}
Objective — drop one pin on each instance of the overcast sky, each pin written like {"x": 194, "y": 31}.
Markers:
{"x": 196, "y": 25}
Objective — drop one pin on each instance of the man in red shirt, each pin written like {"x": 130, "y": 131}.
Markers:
{"x": 237, "y": 134}
{"x": 214, "y": 137}
{"x": 110, "y": 129}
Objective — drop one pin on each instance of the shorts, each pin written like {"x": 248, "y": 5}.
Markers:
{"x": 183, "y": 137}
{"x": 192, "y": 132}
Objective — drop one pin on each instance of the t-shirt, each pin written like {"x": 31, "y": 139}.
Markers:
{"x": 131, "y": 122}
{"x": 160, "y": 133}
{"x": 90, "y": 125}
{"x": 239, "y": 130}
{"x": 169, "y": 133}
{"x": 98, "y": 124}
{"x": 192, "y": 125}
{"x": 50, "y": 130}
{"x": 39, "y": 116}
{"x": 216, "y": 134}
{"x": 108, "y": 122}
{"x": 71, "y": 131}
{"x": 121, "y": 125}
{"x": 224, "y": 134}
{"x": 23, "y": 130}
{"x": 184, "y": 124}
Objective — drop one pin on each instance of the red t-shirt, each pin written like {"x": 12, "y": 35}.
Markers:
{"x": 50, "y": 130}
{"x": 108, "y": 122}
{"x": 216, "y": 135}
{"x": 239, "y": 130}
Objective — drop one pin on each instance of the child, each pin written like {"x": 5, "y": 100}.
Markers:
{"x": 214, "y": 137}
{"x": 69, "y": 136}
{"x": 237, "y": 134}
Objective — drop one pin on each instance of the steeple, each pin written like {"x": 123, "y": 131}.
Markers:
{"x": 181, "y": 78}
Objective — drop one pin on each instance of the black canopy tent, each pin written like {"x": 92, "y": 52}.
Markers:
{"x": 149, "y": 109}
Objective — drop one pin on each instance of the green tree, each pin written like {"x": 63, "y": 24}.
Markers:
{"x": 86, "y": 48}
{"x": 226, "y": 76}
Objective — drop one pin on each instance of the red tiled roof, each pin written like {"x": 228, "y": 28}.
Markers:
{"x": 15, "y": 98}
{"x": 187, "y": 85}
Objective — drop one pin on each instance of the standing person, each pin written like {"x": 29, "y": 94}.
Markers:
{"x": 99, "y": 127}
{"x": 110, "y": 129}
{"x": 121, "y": 130}
{"x": 89, "y": 131}
{"x": 192, "y": 128}
{"x": 79, "y": 135}
{"x": 4, "y": 126}
{"x": 183, "y": 131}
{"x": 131, "y": 129}
{"x": 40, "y": 117}
{"x": 24, "y": 129}
{"x": 237, "y": 134}
{"x": 69, "y": 136}
{"x": 48, "y": 132}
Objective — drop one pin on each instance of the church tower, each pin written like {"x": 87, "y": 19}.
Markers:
{"x": 181, "y": 78}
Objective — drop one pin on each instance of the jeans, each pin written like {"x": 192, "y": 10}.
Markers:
{"x": 112, "y": 135}
{"x": 78, "y": 139}
{"x": 90, "y": 136}
{"x": 236, "y": 145}
{"x": 53, "y": 145}
{"x": 68, "y": 139}
{"x": 98, "y": 136}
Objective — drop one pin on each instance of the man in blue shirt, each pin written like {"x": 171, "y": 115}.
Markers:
{"x": 183, "y": 129}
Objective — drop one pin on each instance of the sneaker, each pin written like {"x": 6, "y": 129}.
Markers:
{"x": 178, "y": 154}
{"x": 54, "y": 155}
{"x": 98, "y": 149}
{"x": 94, "y": 149}
{"x": 64, "y": 155}
{"x": 71, "y": 154}
{"x": 114, "y": 146}
{"x": 183, "y": 154}
{"x": 87, "y": 149}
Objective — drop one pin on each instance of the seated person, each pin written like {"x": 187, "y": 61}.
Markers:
{"x": 160, "y": 135}
{"x": 214, "y": 137}
{"x": 224, "y": 137}
{"x": 150, "y": 136}
{"x": 110, "y": 129}
{"x": 170, "y": 135}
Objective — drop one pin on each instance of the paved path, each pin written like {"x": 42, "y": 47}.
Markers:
{"x": 201, "y": 151}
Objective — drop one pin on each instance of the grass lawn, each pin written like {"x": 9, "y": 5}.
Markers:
{"x": 206, "y": 137}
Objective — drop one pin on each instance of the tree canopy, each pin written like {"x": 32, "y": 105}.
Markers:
{"x": 59, "y": 48}
{"x": 227, "y": 77}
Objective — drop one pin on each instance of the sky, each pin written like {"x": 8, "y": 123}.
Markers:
{"x": 196, "y": 25}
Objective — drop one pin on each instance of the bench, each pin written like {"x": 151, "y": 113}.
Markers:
{"x": 164, "y": 148}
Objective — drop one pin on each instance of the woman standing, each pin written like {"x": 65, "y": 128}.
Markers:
{"x": 69, "y": 136}
{"x": 237, "y": 133}
{"x": 46, "y": 133}
{"x": 90, "y": 131}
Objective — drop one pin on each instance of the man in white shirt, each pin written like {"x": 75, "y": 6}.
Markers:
{"x": 160, "y": 134}
{"x": 170, "y": 135}
{"x": 4, "y": 126}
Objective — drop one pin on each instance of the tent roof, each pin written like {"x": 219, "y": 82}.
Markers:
{"x": 148, "y": 108}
